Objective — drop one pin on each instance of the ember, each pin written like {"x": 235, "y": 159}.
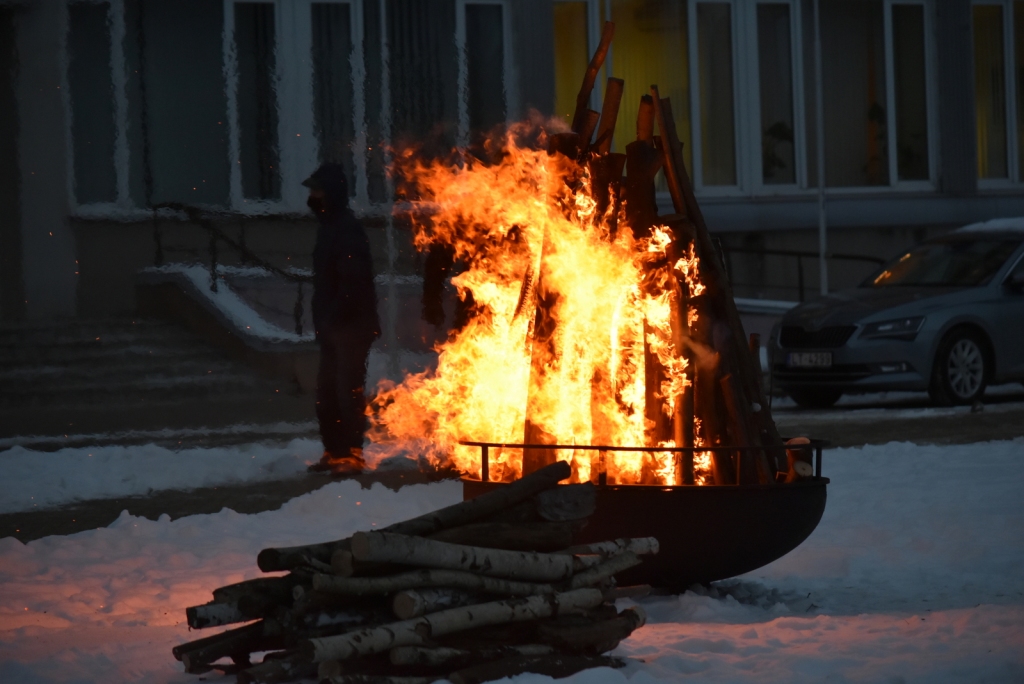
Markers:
{"x": 588, "y": 319}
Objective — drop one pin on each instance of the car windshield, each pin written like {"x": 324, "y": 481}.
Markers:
{"x": 950, "y": 263}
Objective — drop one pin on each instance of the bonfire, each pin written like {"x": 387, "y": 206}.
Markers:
{"x": 585, "y": 318}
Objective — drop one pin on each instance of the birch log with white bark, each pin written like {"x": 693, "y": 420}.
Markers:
{"x": 274, "y": 559}
{"x": 418, "y": 579}
{"x": 412, "y": 603}
{"x": 598, "y": 574}
{"x": 641, "y": 546}
{"x": 593, "y": 637}
{"x": 420, "y": 631}
{"x": 213, "y": 614}
{"x": 384, "y": 547}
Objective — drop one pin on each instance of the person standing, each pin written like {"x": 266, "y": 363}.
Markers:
{"x": 345, "y": 318}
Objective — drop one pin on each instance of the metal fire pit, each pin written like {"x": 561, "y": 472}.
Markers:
{"x": 706, "y": 532}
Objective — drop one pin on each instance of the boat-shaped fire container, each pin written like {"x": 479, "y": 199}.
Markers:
{"x": 706, "y": 533}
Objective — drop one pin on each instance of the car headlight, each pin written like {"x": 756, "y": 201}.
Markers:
{"x": 898, "y": 327}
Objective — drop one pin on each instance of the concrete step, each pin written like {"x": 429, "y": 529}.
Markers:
{"x": 111, "y": 365}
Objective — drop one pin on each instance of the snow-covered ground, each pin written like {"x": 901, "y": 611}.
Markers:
{"x": 915, "y": 574}
{"x": 35, "y": 480}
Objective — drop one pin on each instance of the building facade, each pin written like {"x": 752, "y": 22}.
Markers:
{"x": 111, "y": 107}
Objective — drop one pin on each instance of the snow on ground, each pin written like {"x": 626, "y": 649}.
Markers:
{"x": 915, "y": 574}
{"x": 35, "y": 479}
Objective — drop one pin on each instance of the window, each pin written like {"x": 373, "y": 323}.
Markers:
{"x": 333, "y": 92}
{"x": 775, "y": 78}
{"x": 482, "y": 69}
{"x": 998, "y": 29}
{"x": 715, "y": 94}
{"x": 742, "y": 72}
{"x": 572, "y": 53}
{"x": 256, "y": 104}
{"x": 91, "y": 92}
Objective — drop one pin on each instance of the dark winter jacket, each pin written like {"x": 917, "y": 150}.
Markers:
{"x": 344, "y": 298}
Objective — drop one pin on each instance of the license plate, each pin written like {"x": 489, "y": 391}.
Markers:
{"x": 809, "y": 360}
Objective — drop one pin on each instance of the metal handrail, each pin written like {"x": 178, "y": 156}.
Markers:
{"x": 203, "y": 217}
{"x": 814, "y": 444}
{"x": 800, "y": 255}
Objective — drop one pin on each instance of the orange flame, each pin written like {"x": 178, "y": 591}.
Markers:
{"x": 528, "y": 231}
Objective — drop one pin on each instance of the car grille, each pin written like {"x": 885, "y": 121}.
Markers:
{"x": 830, "y": 337}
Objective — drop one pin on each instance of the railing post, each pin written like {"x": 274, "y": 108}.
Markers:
{"x": 298, "y": 312}
{"x": 800, "y": 275}
{"x": 485, "y": 464}
{"x": 817, "y": 461}
{"x": 213, "y": 262}
{"x": 602, "y": 473}
{"x": 158, "y": 238}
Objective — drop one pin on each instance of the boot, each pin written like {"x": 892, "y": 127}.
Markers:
{"x": 350, "y": 463}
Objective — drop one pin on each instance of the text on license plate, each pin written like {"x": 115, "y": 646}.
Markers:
{"x": 809, "y": 360}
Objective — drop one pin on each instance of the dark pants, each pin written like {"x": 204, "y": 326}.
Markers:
{"x": 340, "y": 391}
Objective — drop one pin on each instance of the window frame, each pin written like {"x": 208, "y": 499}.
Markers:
{"x": 508, "y": 86}
{"x": 1014, "y": 176}
{"x": 122, "y": 204}
{"x": 298, "y": 146}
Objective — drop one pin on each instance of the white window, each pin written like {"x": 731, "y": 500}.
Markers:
{"x": 484, "y": 47}
{"x": 740, "y": 77}
{"x": 295, "y": 95}
{"x": 95, "y": 105}
{"x": 998, "y": 32}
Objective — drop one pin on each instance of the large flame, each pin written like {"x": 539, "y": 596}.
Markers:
{"x": 527, "y": 230}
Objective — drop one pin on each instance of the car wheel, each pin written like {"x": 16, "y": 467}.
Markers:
{"x": 815, "y": 398}
{"x": 961, "y": 369}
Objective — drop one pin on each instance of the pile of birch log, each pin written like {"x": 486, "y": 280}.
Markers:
{"x": 484, "y": 589}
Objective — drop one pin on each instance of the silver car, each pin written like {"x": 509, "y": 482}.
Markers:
{"x": 946, "y": 316}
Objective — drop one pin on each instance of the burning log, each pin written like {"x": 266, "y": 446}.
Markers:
{"x": 609, "y": 115}
{"x": 590, "y": 77}
{"x": 717, "y": 283}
